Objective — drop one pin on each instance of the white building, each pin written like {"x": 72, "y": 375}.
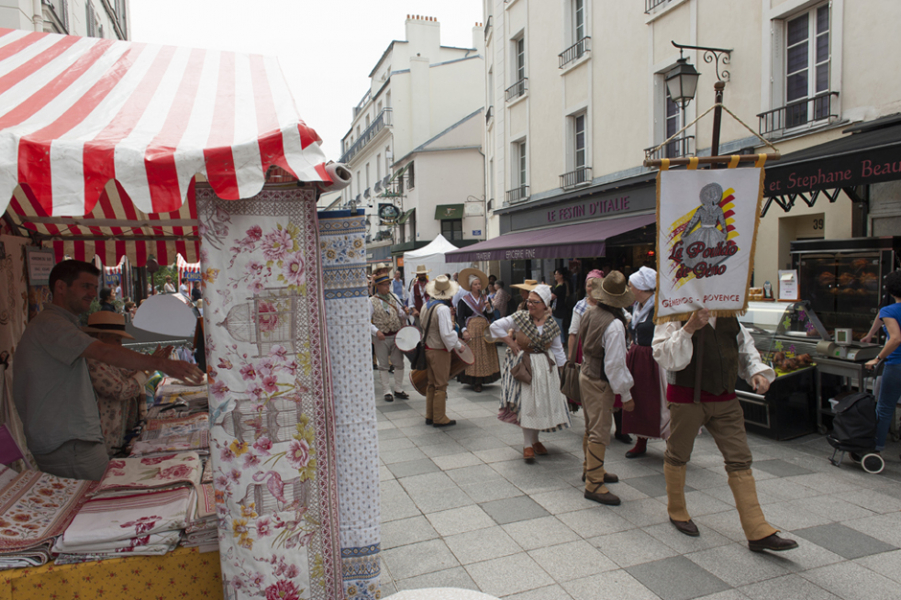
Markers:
{"x": 415, "y": 142}
{"x": 91, "y": 18}
{"x": 576, "y": 93}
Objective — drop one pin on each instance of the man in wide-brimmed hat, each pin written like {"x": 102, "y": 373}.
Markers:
{"x": 603, "y": 374}
{"x": 524, "y": 288}
{"x": 387, "y": 315}
{"x": 439, "y": 339}
{"x": 418, "y": 295}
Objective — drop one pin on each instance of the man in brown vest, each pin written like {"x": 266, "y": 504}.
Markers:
{"x": 439, "y": 339}
{"x": 704, "y": 359}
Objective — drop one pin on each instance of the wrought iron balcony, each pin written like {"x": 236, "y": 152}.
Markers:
{"x": 575, "y": 178}
{"x": 650, "y": 5}
{"x": 796, "y": 114}
{"x": 488, "y": 27}
{"x": 381, "y": 121}
{"x": 517, "y": 194}
{"x": 683, "y": 146}
{"x": 489, "y": 114}
{"x": 575, "y": 52}
{"x": 518, "y": 89}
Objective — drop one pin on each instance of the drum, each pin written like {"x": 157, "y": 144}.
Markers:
{"x": 407, "y": 338}
{"x": 420, "y": 381}
{"x": 460, "y": 359}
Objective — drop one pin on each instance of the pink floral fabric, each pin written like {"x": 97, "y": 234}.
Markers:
{"x": 135, "y": 474}
{"x": 271, "y": 413}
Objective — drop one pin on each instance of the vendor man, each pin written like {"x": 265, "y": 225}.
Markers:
{"x": 51, "y": 385}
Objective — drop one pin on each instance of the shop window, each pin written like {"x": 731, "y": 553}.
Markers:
{"x": 452, "y": 229}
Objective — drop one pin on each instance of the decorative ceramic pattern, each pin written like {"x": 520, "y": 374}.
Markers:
{"x": 341, "y": 236}
{"x": 271, "y": 414}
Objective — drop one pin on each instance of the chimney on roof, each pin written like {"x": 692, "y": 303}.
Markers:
{"x": 424, "y": 36}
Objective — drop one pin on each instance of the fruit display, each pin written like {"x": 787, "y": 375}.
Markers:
{"x": 786, "y": 363}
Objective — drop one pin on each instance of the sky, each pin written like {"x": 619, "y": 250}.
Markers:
{"x": 326, "y": 48}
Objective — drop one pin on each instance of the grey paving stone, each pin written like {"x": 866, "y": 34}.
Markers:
{"x": 737, "y": 566}
{"x": 395, "y": 504}
{"x": 496, "y": 490}
{"x": 652, "y": 485}
{"x": 449, "y": 578}
{"x": 431, "y": 501}
{"x": 407, "y": 531}
{"x": 484, "y": 442}
{"x": 385, "y": 474}
{"x": 572, "y": 560}
{"x": 648, "y": 511}
{"x": 792, "y": 515}
{"x": 536, "y": 533}
{"x": 677, "y": 578}
{"x": 725, "y": 523}
{"x": 412, "y": 560}
{"x": 551, "y": 592}
{"x": 508, "y": 575}
{"x": 460, "y": 520}
{"x": 886, "y": 528}
{"x": 482, "y": 544}
{"x": 834, "y": 509}
{"x": 390, "y": 434}
{"x": 476, "y": 474}
{"x": 510, "y": 510}
{"x": 844, "y": 541}
{"x": 565, "y": 500}
{"x": 780, "y": 468}
{"x": 596, "y": 521}
{"x": 787, "y": 489}
{"x": 428, "y": 436}
{"x": 456, "y": 461}
{"x": 446, "y": 449}
{"x": 498, "y": 454}
{"x": 851, "y": 581}
{"x": 887, "y": 564}
{"x": 429, "y": 481}
{"x": 631, "y": 470}
{"x": 871, "y": 500}
{"x": 408, "y": 420}
{"x": 393, "y": 408}
{"x": 788, "y": 586}
{"x": 398, "y": 456}
{"x": 413, "y": 467}
{"x": 633, "y": 547}
{"x": 613, "y": 585}
{"x": 683, "y": 544}
{"x": 727, "y": 595}
{"x": 704, "y": 479}
{"x": 700, "y": 503}
{"x": 825, "y": 483}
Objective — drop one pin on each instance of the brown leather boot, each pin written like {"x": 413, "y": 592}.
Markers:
{"x": 744, "y": 490}
{"x": 439, "y": 417}
{"x": 429, "y": 405}
{"x": 675, "y": 500}
{"x": 594, "y": 484}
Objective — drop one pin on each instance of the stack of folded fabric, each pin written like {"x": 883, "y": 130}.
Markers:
{"x": 174, "y": 434}
{"x": 202, "y": 531}
{"x": 169, "y": 386}
{"x": 140, "y": 507}
{"x": 35, "y": 507}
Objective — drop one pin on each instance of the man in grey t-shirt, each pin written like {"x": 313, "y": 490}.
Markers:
{"x": 51, "y": 385}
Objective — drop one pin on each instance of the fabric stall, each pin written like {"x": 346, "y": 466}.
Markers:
{"x": 147, "y": 151}
{"x": 186, "y": 270}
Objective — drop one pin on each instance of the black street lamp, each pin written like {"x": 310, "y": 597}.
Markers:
{"x": 682, "y": 82}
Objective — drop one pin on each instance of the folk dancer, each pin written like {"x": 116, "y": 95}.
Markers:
{"x": 704, "y": 395}
{"x": 603, "y": 375}
{"x": 418, "y": 296}
{"x": 388, "y": 315}
{"x": 539, "y": 405}
{"x": 650, "y": 419}
{"x": 439, "y": 340}
{"x": 473, "y": 312}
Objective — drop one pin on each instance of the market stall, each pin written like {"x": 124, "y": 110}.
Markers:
{"x": 100, "y": 145}
{"x": 433, "y": 256}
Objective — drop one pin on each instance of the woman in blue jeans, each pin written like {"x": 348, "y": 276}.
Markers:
{"x": 890, "y": 392}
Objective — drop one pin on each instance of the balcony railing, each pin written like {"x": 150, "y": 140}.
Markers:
{"x": 359, "y": 107}
{"x": 381, "y": 121}
{"x": 489, "y": 114}
{"x": 683, "y": 146}
{"x": 517, "y": 194}
{"x": 650, "y": 5}
{"x": 518, "y": 89}
{"x": 796, "y": 114}
{"x": 575, "y": 52}
{"x": 488, "y": 27}
{"x": 580, "y": 176}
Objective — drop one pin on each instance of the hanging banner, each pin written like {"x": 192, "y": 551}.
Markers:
{"x": 707, "y": 227}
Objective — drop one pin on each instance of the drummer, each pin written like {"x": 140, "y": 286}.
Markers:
{"x": 439, "y": 342}
{"x": 387, "y": 315}
{"x": 474, "y": 312}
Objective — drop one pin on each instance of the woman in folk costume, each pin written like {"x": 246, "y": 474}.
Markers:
{"x": 603, "y": 374}
{"x": 439, "y": 339}
{"x": 650, "y": 419}
{"x": 473, "y": 312}
{"x": 539, "y": 405}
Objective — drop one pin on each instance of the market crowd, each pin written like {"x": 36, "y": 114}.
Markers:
{"x": 589, "y": 342}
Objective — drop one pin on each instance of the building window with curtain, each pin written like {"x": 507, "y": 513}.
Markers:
{"x": 519, "y": 176}
{"x": 452, "y": 229}
{"x": 578, "y": 173}
{"x": 519, "y": 86}
{"x": 807, "y": 67}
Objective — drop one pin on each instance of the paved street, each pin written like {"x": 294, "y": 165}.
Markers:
{"x": 460, "y": 508}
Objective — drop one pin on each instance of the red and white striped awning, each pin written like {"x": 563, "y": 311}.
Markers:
{"x": 76, "y": 113}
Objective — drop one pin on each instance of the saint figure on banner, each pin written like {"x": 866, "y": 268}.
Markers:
{"x": 709, "y": 217}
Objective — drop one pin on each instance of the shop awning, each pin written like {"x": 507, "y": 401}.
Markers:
{"x": 583, "y": 239}
{"x": 403, "y": 218}
{"x": 870, "y": 154}
{"x": 76, "y": 113}
{"x": 444, "y": 212}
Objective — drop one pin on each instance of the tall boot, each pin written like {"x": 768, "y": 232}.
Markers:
{"x": 429, "y": 405}
{"x": 675, "y": 499}
{"x": 640, "y": 447}
{"x": 594, "y": 483}
{"x": 439, "y": 417}
{"x": 744, "y": 490}
{"x": 618, "y": 431}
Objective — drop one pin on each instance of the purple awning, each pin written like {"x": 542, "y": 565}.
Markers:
{"x": 570, "y": 241}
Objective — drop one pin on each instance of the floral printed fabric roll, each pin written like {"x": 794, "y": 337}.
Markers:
{"x": 271, "y": 413}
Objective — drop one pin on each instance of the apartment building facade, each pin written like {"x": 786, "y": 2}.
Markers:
{"x": 90, "y": 18}
{"x": 414, "y": 146}
{"x": 576, "y": 99}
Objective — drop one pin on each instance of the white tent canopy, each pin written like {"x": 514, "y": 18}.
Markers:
{"x": 432, "y": 256}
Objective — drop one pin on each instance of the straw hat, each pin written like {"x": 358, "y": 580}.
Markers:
{"x": 104, "y": 321}
{"x": 463, "y": 278}
{"x": 421, "y": 270}
{"x": 442, "y": 288}
{"x": 527, "y": 285}
{"x": 612, "y": 290}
